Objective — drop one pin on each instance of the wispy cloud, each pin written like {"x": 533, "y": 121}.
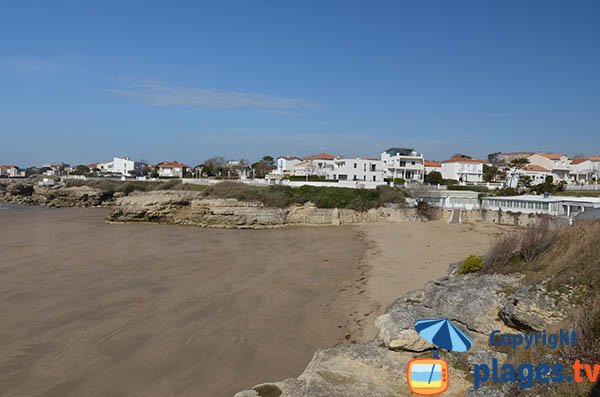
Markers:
{"x": 156, "y": 93}
{"x": 31, "y": 65}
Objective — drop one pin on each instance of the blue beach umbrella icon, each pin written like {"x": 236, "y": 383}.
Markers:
{"x": 445, "y": 335}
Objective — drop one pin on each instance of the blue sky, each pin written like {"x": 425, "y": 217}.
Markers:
{"x": 81, "y": 81}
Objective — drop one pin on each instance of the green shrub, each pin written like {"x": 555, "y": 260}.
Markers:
{"x": 472, "y": 264}
{"x": 434, "y": 178}
{"x": 397, "y": 181}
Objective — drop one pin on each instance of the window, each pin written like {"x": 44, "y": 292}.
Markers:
{"x": 374, "y": 178}
{"x": 403, "y": 164}
{"x": 355, "y": 165}
{"x": 413, "y": 163}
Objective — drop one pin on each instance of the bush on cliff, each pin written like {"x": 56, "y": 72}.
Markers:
{"x": 472, "y": 264}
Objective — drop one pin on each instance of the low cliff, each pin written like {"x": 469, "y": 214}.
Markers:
{"x": 479, "y": 303}
{"x": 193, "y": 208}
{"x": 54, "y": 196}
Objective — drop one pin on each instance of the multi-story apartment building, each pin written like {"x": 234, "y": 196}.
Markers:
{"x": 403, "y": 163}
{"x": 357, "y": 169}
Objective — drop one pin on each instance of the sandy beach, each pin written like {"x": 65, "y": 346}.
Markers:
{"x": 406, "y": 256}
{"x": 95, "y": 309}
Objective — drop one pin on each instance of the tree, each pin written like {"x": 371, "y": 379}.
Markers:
{"x": 461, "y": 156}
{"x": 524, "y": 181}
{"x": 434, "y": 178}
{"x": 515, "y": 165}
{"x": 214, "y": 166}
{"x": 81, "y": 170}
{"x": 263, "y": 166}
{"x": 494, "y": 158}
{"x": 489, "y": 173}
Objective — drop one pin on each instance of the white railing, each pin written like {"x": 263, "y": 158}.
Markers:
{"x": 583, "y": 188}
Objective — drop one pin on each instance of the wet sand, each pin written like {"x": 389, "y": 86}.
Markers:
{"x": 95, "y": 309}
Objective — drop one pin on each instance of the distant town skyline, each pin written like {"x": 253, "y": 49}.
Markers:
{"x": 81, "y": 82}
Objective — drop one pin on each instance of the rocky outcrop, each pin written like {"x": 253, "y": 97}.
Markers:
{"x": 192, "y": 208}
{"x": 54, "y": 196}
{"x": 479, "y": 303}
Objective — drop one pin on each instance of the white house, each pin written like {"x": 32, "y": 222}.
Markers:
{"x": 357, "y": 169}
{"x": 536, "y": 174}
{"x": 126, "y": 166}
{"x": 317, "y": 164}
{"x": 172, "y": 169}
{"x": 432, "y": 166}
{"x": 285, "y": 165}
{"x": 403, "y": 163}
{"x": 9, "y": 170}
{"x": 558, "y": 164}
{"x": 585, "y": 170}
{"x": 463, "y": 169}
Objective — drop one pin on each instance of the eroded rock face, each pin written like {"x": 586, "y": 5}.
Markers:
{"x": 55, "y": 196}
{"x": 533, "y": 308}
{"x": 362, "y": 369}
{"x": 471, "y": 300}
{"x": 191, "y": 208}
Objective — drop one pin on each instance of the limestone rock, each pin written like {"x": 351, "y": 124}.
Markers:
{"x": 363, "y": 369}
{"x": 533, "y": 308}
{"x": 19, "y": 189}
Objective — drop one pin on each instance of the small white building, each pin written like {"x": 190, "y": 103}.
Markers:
{"x": 536, "y": 174}
{"x": 463, "y": 169}
{"x": 317, "y": 164}
{"x": 11, "y": 171}
{"x": 357, "y": 169}
{"x": 172, "y": 169}
{"x": 403, "y": 163}
{"x": 432, "y": 166}
{"x": 563, "y": 206}
{"x": 126, "y": 166}
{"x": 558, "y": 164}
{"x": 585, "y": 170}
{"x": 285, "y": 165}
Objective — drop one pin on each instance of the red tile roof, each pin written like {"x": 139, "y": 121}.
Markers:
{"x": 582, "y": 159}
{"x": 432, "y": 164}
{"x": 8, "y": 166}
{"x": 320, "y": 156}
{"x": 168, "y": 164}
{"x": 463, "y": 160}
{"x": 533, "y": 167}
{"x": 551, "y": 156}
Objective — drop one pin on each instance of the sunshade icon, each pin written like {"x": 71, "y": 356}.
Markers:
{"x": 445, "y": 335}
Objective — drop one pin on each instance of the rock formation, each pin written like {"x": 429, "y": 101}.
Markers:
{"x": 479, "y": 303}
{"x": 192, "y": 208}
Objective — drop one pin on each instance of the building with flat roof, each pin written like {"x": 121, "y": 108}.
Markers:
{"x": 562, "y": 206}
{"x": 403, "y": 163}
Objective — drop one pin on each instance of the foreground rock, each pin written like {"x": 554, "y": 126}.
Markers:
{"x": 479, "y": 303}
{"x": 54, "y": 196}
{"x": 192, "y": 208}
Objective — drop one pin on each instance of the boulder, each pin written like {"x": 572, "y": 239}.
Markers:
{"x": 19, "y": 189}
{"x": 472, "y": 300}
{"x": 362, "y": 369}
